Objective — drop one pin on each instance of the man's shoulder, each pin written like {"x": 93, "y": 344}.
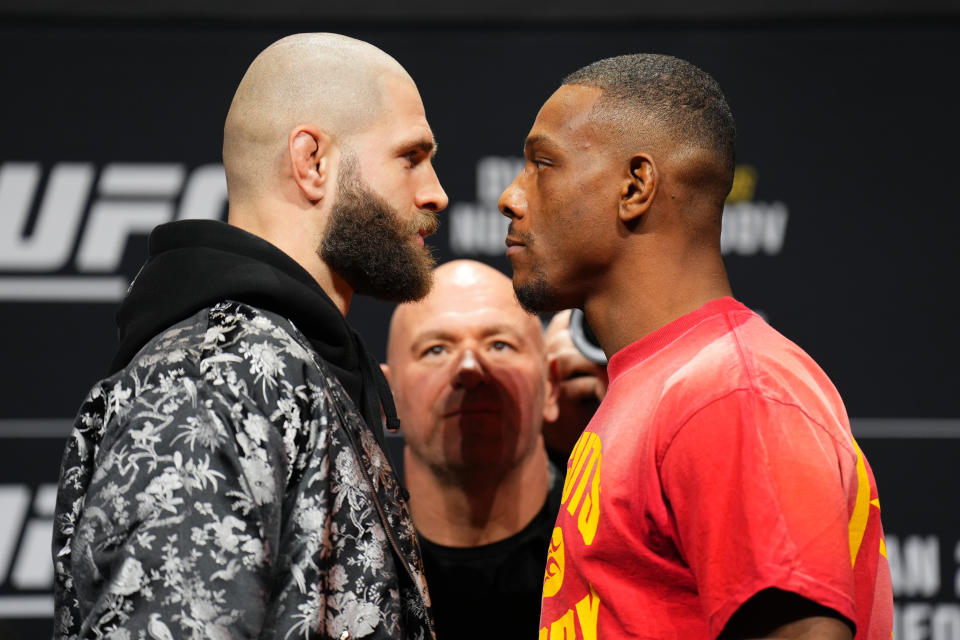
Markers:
{"x": 778, "y": 370}
{"x": 740, "y": 361}
{"x": 247, "y": 324}
{"x": 753, "y": 372}
{"x": 231, "y": 351}
{"x": 221, "y": 332}
{"x": 221, "y": 358}
{"x": 743, "y": 355}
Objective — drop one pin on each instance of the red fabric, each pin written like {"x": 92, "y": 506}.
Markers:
{"x": 720, "y": 464}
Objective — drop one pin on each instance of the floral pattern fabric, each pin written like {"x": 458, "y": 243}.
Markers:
{"x": 222, "y": 485}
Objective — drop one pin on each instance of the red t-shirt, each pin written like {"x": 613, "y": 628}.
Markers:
{"x": 719, "y": 464}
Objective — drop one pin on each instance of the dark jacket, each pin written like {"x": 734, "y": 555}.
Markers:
{"x": 222, "y": 483}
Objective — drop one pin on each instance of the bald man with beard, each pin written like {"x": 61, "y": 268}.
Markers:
{"x": 227, "y": 479}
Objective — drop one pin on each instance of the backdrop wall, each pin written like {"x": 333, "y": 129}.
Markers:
{"x": 841, "y": 228}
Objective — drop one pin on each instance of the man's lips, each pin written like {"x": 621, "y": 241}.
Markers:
{"x": 425, "y": 222}
{"x": 423, "y": 233}
{"x": 514, "y": 245}
{"x": 468, "y": 409}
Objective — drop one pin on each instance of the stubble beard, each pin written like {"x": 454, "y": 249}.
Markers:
{"x": 369, "y": 245}
{"x": 535, "y": 296}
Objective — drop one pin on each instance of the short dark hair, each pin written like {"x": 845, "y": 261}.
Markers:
{"x": 666, "y": 91}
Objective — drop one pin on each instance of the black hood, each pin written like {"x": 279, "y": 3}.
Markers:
{"x": 194, "y": 264}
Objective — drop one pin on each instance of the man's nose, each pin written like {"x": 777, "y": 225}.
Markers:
{"x": 470, "y": 371}
{"x": 430, "y": 195}
{"x": 513, "y": 203}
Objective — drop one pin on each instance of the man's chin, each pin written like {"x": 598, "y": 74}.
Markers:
{"x": 534, "y": 295}
{"x": 409, "y": 283}
{"x": 410, "y": 293}
{"x": 425, "y": 263}
{"x": 418, "y": 294}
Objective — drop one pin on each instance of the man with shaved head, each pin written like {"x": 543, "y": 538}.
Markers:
{"x": 717, "y": 491}
{"x": 468, "y": 369}
{"x": 227, "y": 479}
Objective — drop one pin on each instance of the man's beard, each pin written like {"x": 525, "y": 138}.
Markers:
{"x": 371, "y": 247}
{"x": 536, "y": 295}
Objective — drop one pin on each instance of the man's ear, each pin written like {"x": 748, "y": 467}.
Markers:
{"x": 551, "y": 393}
{"x": 639, "y": 188}
{"x": 309, "y": 149}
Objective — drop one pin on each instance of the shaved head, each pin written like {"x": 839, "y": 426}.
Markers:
{"x": 463, "y": 287}
{"x": 467, "y": 366}
{"x": 324, "y": 79}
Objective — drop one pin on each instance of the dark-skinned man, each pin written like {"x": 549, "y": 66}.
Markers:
{"x": 718, "y": 491}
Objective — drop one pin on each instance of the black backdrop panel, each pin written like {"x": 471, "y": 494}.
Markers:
{"x": 842, "y": 229}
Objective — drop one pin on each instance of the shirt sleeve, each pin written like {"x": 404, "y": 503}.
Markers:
{"x": 759, "y": 498}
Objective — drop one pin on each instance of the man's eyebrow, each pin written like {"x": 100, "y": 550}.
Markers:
{"x": 429, "y": 335}
{"x": 443, "y": 335}
{"x": 537, "y": 139}
{"x": 427, "y": 145}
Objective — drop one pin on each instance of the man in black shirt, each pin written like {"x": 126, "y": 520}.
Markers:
{"x": 468, "y": 368}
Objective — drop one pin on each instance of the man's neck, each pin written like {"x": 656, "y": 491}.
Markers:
{"x": 482, "y": 507}
{"x": 628, "y": 308}
{"x": 300, "y": 245}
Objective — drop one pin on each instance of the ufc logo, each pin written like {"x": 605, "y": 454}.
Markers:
{"x": 124, "y": 200}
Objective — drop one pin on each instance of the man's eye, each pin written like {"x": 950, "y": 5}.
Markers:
{"x": 434, "y": 350}
{"x": 540, "y": 163}
{"x": 413, "y": 158}
{"x": 500, "y": 345}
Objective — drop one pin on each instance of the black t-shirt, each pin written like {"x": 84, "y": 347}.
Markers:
{"x": 492, "y": 591}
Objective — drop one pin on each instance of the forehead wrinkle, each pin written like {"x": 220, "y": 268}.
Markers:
{"x": 466, "y": 319}
{"x": 486, "y": 318}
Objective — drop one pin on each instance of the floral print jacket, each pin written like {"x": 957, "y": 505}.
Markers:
{"x": 223, "y": 485}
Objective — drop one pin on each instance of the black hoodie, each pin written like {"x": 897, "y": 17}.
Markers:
{"x": 194, "y": 264}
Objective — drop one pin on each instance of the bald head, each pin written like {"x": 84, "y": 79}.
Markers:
{"x": 327, "y": 80}
{"x": 463, "y": 292}
{"x": 468, "y": 371}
